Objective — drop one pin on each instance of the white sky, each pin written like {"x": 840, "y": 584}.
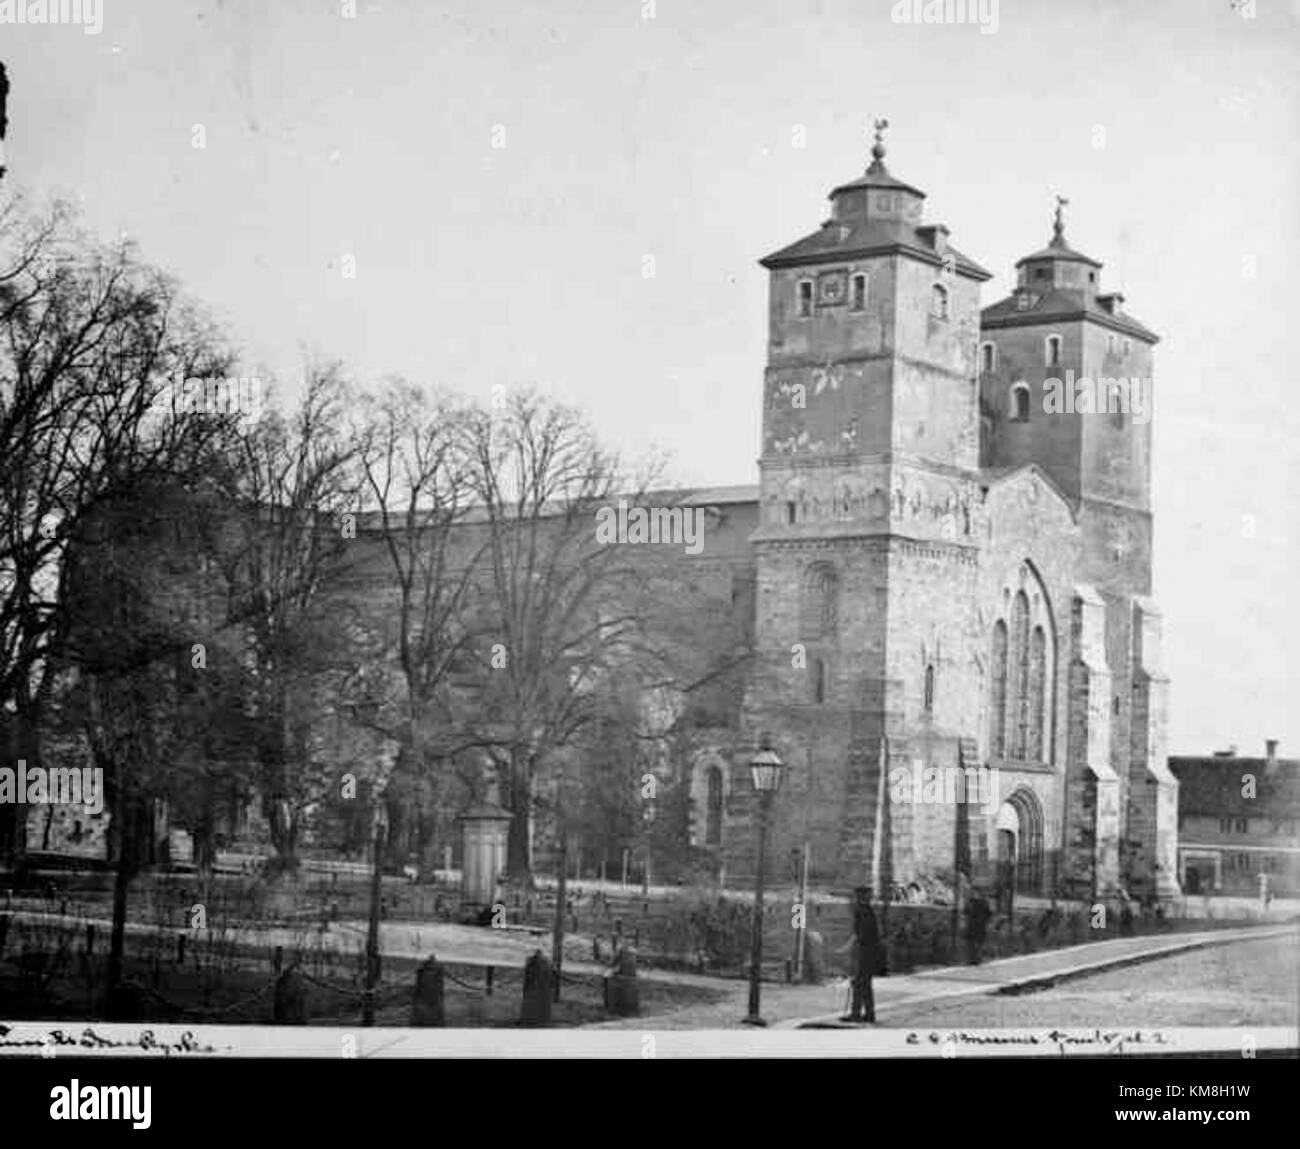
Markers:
{"x": 674, "y": 137}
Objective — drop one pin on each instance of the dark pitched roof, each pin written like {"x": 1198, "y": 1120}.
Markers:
{"x": 1060, "y": 250}
{"x": 1212, "y": 786}
{"x": 835, "y": 240}
{"x": 877, "y": 177}
{"x": 1060, "y": 304}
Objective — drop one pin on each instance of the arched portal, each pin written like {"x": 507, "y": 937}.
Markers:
{"x": 1008, "y": 839}
{"x": 1029, "y": 840}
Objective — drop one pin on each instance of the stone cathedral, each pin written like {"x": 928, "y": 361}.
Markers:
{"x": 949, "y": 571}
{"x": 943, "y": 576}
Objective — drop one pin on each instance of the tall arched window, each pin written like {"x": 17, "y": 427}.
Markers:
{"x": 1037, "y": 692}
{"x": 1052, "y": 351}
{"x": 713, "y": 825}
{"x": 818, "y": 681}
{"x": 998, "y": 691}
{"x": 929, "y": 689}
{"x": 1020, "y": 675}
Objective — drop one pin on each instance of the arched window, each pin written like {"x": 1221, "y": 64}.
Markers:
{"x": 1037, "y": 692}
{"x": 818, "y": 681}
{"x": 998, "y": 691}
{"x": 1020, "y": 689}
{"x": 929, "y": 689}
{"x": 1020, "y": 675}
{"x": 805, "y": 298}
{"x": 820, "y": 607}
{"x": 1020, "y": 403}
{"x": 713, "y": 823}
{"x": 988, "y": 357}
{"x": 859, "y": 296}
{"x": 1116, "y": 401}
{"x": 1052, "y": 356}
{"x": 939, "y": 305}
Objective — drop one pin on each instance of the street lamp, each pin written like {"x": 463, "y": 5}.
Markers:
{"x": 766, "y": 769}
{"x": 379, "y": 827}
{"x": 647, "y": 821}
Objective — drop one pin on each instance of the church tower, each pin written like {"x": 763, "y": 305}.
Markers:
{"x": 1066, "y": 383}
{"x": 866, "y": 546}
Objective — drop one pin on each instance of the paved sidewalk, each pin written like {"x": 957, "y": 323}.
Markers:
{"x": 797, "y": 1006}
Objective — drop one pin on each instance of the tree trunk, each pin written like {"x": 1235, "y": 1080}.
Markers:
{"x": 518, "y": 866}
{"x": 20, "y": 739}
{"x": 131, "y": 819}
{"x": 117, "y": 941}
{"x": 205, "y": 850}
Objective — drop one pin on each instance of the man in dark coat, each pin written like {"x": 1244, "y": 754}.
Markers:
{"x": 867, "y": 956}
{"x": 4, "y": 114}
{"x": 977, "y": 920}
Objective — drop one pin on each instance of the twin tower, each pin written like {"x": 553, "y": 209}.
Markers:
{"x": 953, "y": 562}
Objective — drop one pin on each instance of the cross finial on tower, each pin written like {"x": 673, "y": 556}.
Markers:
{"x": 1058, "y": 225}
{"x": 878, "y": 147}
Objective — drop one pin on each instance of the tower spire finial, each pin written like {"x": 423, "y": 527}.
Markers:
{"x": 1058, "y": 225}
{"x": 878, "y": 147}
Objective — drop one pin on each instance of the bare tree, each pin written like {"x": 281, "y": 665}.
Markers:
{"x": 294, "y": 480}
{"x": 417, "y": 490}
{"x": 92, "y": 345}
{"x": 554, "y": 604}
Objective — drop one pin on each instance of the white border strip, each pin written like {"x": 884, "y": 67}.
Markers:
{"x": 50, "y": 1040}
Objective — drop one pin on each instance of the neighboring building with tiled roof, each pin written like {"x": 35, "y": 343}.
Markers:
{"x": 1238, "y": 818}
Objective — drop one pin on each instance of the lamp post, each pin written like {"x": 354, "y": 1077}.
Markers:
{"x": 365, "y": 707}
{"x": 647, "y": 821}
{"x": 766, "y": 769}
{"x": 379, "y": 825}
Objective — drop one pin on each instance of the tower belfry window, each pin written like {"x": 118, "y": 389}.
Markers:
{"x": 989, "y": 357}
{"x": 859, "y": 296}
{"x": 1053, "y": 356}
{"x": 1020, "y": 403}
{"x": 805, "y": 297}
{"x": 939, "y": 305}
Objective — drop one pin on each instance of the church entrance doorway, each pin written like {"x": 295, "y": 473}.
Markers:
{"x": 1008, "y": 829}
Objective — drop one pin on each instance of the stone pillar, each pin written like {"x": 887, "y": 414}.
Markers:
{"x": 1153, "y": 789}
{"x": 484, "y": 829}
{"x": 1092, "y": 818}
